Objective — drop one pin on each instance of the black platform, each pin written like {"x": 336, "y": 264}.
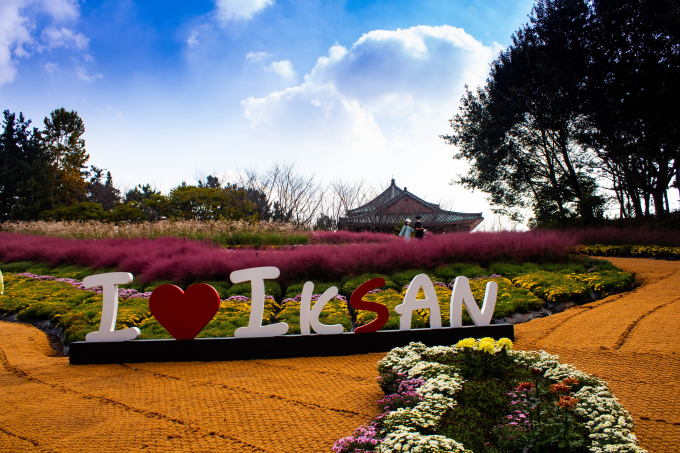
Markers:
{"x": 281, "y": 347}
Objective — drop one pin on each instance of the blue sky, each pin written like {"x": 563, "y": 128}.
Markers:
{"x": 357, "y": 90}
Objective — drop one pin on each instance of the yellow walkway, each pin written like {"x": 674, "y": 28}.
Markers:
{"x": 303, "y": 405}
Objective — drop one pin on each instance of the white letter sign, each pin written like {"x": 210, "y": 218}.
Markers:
{"x": 463, "y": 294}
{"x": 109, "y": 282}
{"x": 311, "y": 316}
{"x": 411, "y": 303}
{"x": 256, "y": 276}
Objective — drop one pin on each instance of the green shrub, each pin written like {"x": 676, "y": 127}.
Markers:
{"x": 126, "y": 213}
{"x": 404, "y": 278}
{"x": 349, "y": 284}
{"x": 271, "y": 288}
{"x": 448, "y": 273}
{"x": 81, "y": 211}
{"x": 467, "y": 425}
{"x": 488, "y": 396}
{"x": 319, "y": 288}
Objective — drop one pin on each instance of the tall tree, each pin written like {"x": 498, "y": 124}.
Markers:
{"x": 62, "y": 137}
{"x": 24, "y": 170}
{"x": 104, "y": 193}
{"x": 574, "y": 101}
{"x": 634, "y": 72}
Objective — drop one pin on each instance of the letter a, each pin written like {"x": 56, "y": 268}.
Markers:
{"x": 463, "y": 294}
{"x": 109, "y": 283}
{"x": 311, "y": 316}
{"x": 411, "y": 303}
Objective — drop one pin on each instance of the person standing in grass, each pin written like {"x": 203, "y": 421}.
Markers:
{"x": 420, "y": 231}
{"x": 406, "y": 230}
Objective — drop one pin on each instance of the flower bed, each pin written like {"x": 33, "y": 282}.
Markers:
{"x": 482, "y": 396}
{"x": 77, "y": 310}
{"x": 635, "y": 251}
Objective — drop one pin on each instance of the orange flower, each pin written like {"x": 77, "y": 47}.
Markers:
{"x": 570, "y": 381}
{"x": 566, "y": 402}
{"x": 560, "y": 388}
{"x": 525, "y": 386}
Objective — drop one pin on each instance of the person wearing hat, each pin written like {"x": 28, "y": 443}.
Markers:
{"x": 406, "y": 230}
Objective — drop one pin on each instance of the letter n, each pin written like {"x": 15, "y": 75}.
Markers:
{"x": 462, "y": 294}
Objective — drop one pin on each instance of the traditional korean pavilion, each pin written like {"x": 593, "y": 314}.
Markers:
{"x": 389, "y": 209}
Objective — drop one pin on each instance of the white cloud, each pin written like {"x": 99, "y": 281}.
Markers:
{"x": 18, "y": 27}
{"x": 258, "y": 56}
{"x": 83, "y": 75}
{"x": 61, "y": 10}
{"x": 50, "y": 67}
{"x": 229, "y": 10}
{"x": 15, "y": 33}
{"x": 64, "y": 37}
{"x": 380, "y": 104}
{"x": 406, "y": 76}
{"x": 192, "y": 40}
{"x": 282, "y": 68}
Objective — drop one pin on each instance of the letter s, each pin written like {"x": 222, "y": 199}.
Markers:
{"x": 358, "y": 303}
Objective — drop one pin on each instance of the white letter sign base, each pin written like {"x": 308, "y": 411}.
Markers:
{"x": 109, "y": 282}
{"x": 463, "y": 294}
{"x": 411, "y": 303}
{"x": 256, "y": 276}
{"x": 308, "y": 316}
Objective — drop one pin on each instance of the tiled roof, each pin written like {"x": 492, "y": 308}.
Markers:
{"x": 370, "y": 212}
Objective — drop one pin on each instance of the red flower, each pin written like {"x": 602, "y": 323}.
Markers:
{"x": 525, "y": 386}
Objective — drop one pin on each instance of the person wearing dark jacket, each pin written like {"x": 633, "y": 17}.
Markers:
{"x": 420, "y": 231}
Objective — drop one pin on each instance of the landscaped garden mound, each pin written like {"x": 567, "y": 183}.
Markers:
{"x": 36, "y": 292}
{"x": 481, "y": 396}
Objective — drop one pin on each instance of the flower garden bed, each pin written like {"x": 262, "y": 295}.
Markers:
{"x": 634, "y": 251}
{"x": 481, "y": 396}
{"x": 33, "y": 294}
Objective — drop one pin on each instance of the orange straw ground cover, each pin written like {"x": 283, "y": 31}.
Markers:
{"x": 304, "y": 405}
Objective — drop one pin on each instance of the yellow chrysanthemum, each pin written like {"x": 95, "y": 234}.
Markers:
{"x": 467, "y": 343}
{"x": 504, "y": 343}
{"x": 487, "y": 344}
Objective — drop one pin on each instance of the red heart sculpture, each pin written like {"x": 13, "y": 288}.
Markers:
{"x": 184, "y": 313}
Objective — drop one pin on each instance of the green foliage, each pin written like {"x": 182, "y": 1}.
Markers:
{"x": 349, "y": 284}
{"x": 448, "y": 273}
{"x": 126, "y": 213}
{"x": 466, "y": 425}
{"x": 488, "y": 396}
{"x": 24, "y": 170}
{"x": 86, "y": 210}
{"x": 319, "y": 288}
{"x": 576, "y": 96}
{"x": 204, "y": 203}
{"x": 271, "y": 288}
{"x": 404, "y": 278}
{"x": 258, "y": 239}
{"x": 62, "y": 137}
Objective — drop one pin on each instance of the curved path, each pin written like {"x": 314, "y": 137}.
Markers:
{"x": 294, "y": 405}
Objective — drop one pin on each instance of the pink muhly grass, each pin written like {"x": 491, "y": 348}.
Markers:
{"x": 180, "y": 260}
{"x": 625, "y": 236}
{"x": 348, "y": 237}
